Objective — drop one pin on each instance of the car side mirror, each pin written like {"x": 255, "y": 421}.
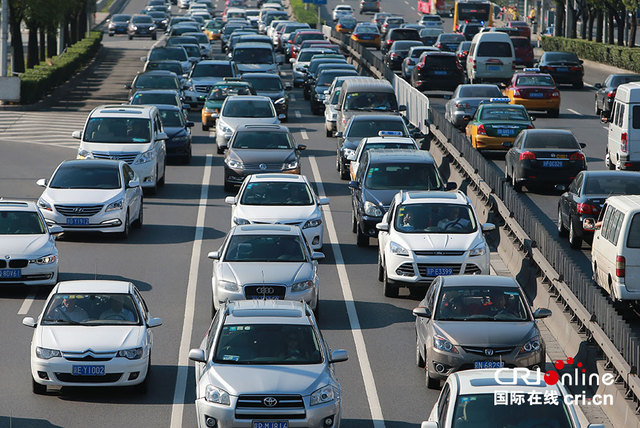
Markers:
{"x": 292, "y": 60}
{"x": 323, "y": 201}
{"x": 351, "y": 157}
{"x": 354, "y": 184}
{"x": 339, "y": 134}
{"x": 133, "y": 183}
{"x": 42, "y": 182}
{"x": 598, "y": 86}
{"x": 429, "y": 424}
{"x": 532, "y": 118}
{"x": 316, "y": 255}
{"x": 583, "y": 145}
{"x": 560, "y": 187}
{"x": 541, "y": 313}
{"x": 580, "y": 61}
{"x": 55, "y": 229}
{"x": 162, "y": 136}
{"x": 29, "y": 322}
{"x": 383, "y": 227}
{"x": 466, "y": 118}
{"x": 215, "y": 116}
{"x": 214, "y": 255}
{"x": 154, "y": 322}
{"x": 143, "y": 58}
{"x": 301, "y": 147}
{"x": 197, "y": 355}
{"x": 402, "y": 108}
{"x": 189, "y": 124}
{"x": 422, "y": 312}
{"x": 450, "y": 186}
{"x": 76, "y": 134}
{"x": 231, "y": 200}
{"x": 488, "y": 227}
{"x": 127, "y": 86}
{"x": 338, "y": 356}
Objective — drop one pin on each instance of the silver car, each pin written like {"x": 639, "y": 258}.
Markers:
{"x": 265, "y": 261}
{"x": 265, "y": 364}
{"x": 465, "y": 100}
{"x": 476, "y": 321}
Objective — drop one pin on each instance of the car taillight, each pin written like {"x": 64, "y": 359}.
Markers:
{"x": 586, "y": 209}
{"x": 620, "y": 266}
{"x": 546, "y": 68}
{"x": 530, "y": 126}
{"x": 516, "y": 92}
{"x": 393, "y": 55}
{"x": 576, "y": 68}
{"x": 623, "y": 142}
{"x": 577, "y": 156}
{"x": 439, "y": 45}
{"x": 481, "y": 130}
{"x": 611, "y": 94}
{"x": 389, "y": 41}
{"x": 555, "y": 94}
{"x": 527, "y": 156}
{"x": 462, "y": 105}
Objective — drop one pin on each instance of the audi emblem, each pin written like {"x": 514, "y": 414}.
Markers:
{"x": 262, "y": 166}
{"x": 488, "y": 352}
{"x": 265, "y": 290}
{"x": 270, "y": 401}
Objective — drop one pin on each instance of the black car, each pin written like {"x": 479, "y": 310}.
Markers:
{"x": 270, "y": 85}
{"x": 380, "y": 175}
{"x": 564, "y": 67}
{"x": 167, "y": 65}
{"x": 396, "y": 34}
{"x": 158, "y": 79}
{"x": 449, "y": 42}
{"x": 176, "y": 126}
{"x": 580, "y": 206}
{"x": 141, "y": 26}
{"x": 470, "y": 29}
{"x": 158, "y": 97}
{"x": 118, "y": 24}
{"x": 398, "y": 52}
{"x": 606, "y": 91}
{"x": 428, "y": 36}
{"x": 369, "y": 6}
{"x": 462, "y": 52}
{"x": 322, "y": 84}
{"x": 312, "y": 69}
{"x": 544, "y": 157}
{"x": 437, "y": 71}
{"x": 255, "y": 149}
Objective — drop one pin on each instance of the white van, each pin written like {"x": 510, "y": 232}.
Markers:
{"x": 615, "y": 253}
{"x": 132, "y": 133}
{"x": 491, "y": 58}
{"x": 623, "y": 140}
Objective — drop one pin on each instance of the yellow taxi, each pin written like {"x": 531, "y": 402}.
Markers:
{"x": 496, "y": 124}
{"x": 213, "y": 28}
{"x": 535, "y": 91}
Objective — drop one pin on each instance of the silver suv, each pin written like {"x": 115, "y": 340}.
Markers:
{"x": 265, "y": 363}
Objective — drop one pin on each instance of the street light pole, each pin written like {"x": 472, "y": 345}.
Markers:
{"x": 4, "y": 39}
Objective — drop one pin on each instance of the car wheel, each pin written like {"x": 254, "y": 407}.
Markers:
{"x": 597, "y": 110}
{"x": 419, "y": 360}
{"x": 579, "y": 85}
{"x": 139, "y": 221}
{"x": 380, "y": 268}
{"x": 314, "y": 108}
{"x": 154, "y": 36}
{"x": 354, "y": 223}
{"x": 562, "y": 231}
{"x": 228, "y": 187}
{"x": 164, "y": 175}
{"x": 125, "y": 232}
{"x": 205, "y": 127}
{"x": 389, "y": 289}
{"x": 130, "y": 37}
{"x": 344, "y": 172}
{"x": 38, "y": 388}
{"x": 186, "y": 159}
{"x": 553, "y": 113}
{"x": 362, "y": 240}
{"x": 431, "y": 382}
{"x": 607, "y": 161}
{"x": 307, "y": 95}
{"x": 517, "y": 185}
{"x": 329, "y": 133}
{"x": 574, "y": 240}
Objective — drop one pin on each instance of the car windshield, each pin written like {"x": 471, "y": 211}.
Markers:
{"x": 248, "y": 108}
{"x": 404, "y": 45}
{"x": 172, "y": 118}
{"x": 451, "y": 38}
{"x": 536, "y": 80}
{"x": 306, "y": 55}
{"x": 86, "y": 176}
{"x": 121, "y": 18}
{"x": 142, "y": 20}
{"x": 366, "y": 29}
{"x": 147, "y": 81}
{"x": 157, "y": 14}
{"x": 435, "y": 218}
{"x": 367, "y": 101}
{"x": 221, "y": 92}
{"x": 621, "y": 80}
{"x": 371, "y": 127}
{"x": 154, "y": 98}
{"x": 520, "y": 42}
{"x": 265, "y": 248}
{"x": 347, "y": 21}
{"x": 477, "y": 91}
{"x": 504, "y": 113}
{"x": 326, "y": 77}
{"x": 262, "y": 140}
{"x": 253, "y": 56}
{"x": 481, "y": 303}
{"x": 405, "y": 176}
{"x": 309, "y": 36}
{"x": 415, "y": 53}
{"x": 385, "y": 146}
{"x": 177, "y": 54}
{"x": 174, "y": 67}
{"x": 200, "y": 37}
{"x": 277, "y": 193}
{"x": 272, "y": 84}
{"x": 212, "y": 70}
{"x": 480, "y": 410}
{"x": 560, "y": 56}
{"x": 545, "y": 140}
{"x": 192, "y": 50}
{"x": 611, "y": 184}
{"x": 117, "y": 130}
{"x": 260, "y": 344}
{"x": 20, "y": 223}
{"x": 91, "y": 309}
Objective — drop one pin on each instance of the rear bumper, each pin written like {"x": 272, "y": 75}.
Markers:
{"x": 538, "y": 104}
{"x": 493, "y": 143}
{"x": 546, "y": 175}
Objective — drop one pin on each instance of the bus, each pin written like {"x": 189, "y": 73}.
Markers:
{"x": 472, "y": 11}
{"x": 433, "y": 7}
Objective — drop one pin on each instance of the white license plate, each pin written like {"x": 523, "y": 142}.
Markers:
{"x": 488, "y": 364}
{"x": 270, "y": 424}
{"x": 87, "y": 370}
{"x": 10, "y": 273}
{"x": 552, "y": 164}
{"x": 493, "y": 67}
{"x": 73, "y": 221}
{"x": 432, "y": 271}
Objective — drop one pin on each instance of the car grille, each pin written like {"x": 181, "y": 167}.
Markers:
{"x": 203, "y": 88}
{"x": 438, "y": 253}
{"x": 78, "y": 210}
{"x": 88, "y": 357}
{"x": 3, "y": 264}
{"x": 270, "y": 166}
{"x": 38, "y": 277}
{"x": 265, "y": 291}
{"x": 16, "y": 263}
{"x": 472, "y": 270}
{"x": 405, "y": 269}
{"x": 258, "y": 402}
{"x": 481, "y": 351}
{"x": 288, "y": 223}
{"x": 108, "y": 378}
{"x": 127, "y": 157}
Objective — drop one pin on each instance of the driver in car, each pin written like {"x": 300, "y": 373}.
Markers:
{"x": 452, "y": 220}
{"x": 117, "y": 311}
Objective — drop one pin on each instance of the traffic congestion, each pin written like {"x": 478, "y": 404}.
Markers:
{"x": 254, "y": 210}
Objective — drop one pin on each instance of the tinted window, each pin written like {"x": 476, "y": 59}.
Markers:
{"x": 248, "y": 108}
{"x": 265, "y": 83}
{"x": 482, "y": 304}
{"x": 405, "y": 45}
{"x": 20, "y": 223}
{"x": 171, "y": 118}
{"x": 177, "y": 54}
{"x": 412, "y": 176}
{"x": 117, "y": 130}
{"x": 147, "y": 98}
{"x": 220, "y": 92}
{"x": 91, "y": 309}
{"x": 535, "y": 81}
{"x": 212, "y": 70}
{"x": 262, "y": 140}
{"x": 404, "y": 34}
{"x": 253, "y": 56}
{"x": 633, "y": 239}
{"x": 435, "y": 218}
{"x": 325, "y": 78}
{"x": 370, "y": 128}
{"x": 473, "y": 91}
{"x": 277, "y": 193}
{"x": 451, "y": 38}
{"x": 265, "y": 248}
{"x": 494, "y": 49}
{"x": 545, "y": 140}
{"x": 612, "y": 185}
{"x": 142, "y": 20}
{"x": 636, "y": 117}
{"x": 560, "y": 56}
{"x": 383, "y": 101}
{"x": 86, "y": 177}
{"x": 121, "y": 18}
{"x": 504, "y": 113}
{"x": 441, "y": 61}
{"x": 147, "y": 81}
{"x": 520, "y": 42}
{"x": 621, "y": 80}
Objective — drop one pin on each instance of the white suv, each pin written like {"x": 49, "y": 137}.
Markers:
{"x": 341, "y": 10}
{"x": 428, "y": 234}
{"x": 132, "y": 133}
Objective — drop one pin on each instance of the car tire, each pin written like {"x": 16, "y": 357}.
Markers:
{"x": 388, "y": 288}
{"x": 380, "y": 268}
{"x": 307, "y": 95}
{"x": 607, "y": 162}
{"x": 110, "y": 35}
{"x": 354, "y": 223}
{"x": 328, "y": 133}
{"x": 562, "y": 231}
{"x": 228, "y": 187}
{"x": 130, "y": 37}
{"x": 431, "y": 382}
{"x": 517, "y": 185}
{"x": 164, "y": 174}
{"x": 316, "y": 311}
{"x": 574, "y": 240}
{"x": 125, "y": 232}
{"x": 362, "y": 240}
{"x": 553, "y": 113}
{"x": 419, "y": 360}
{"x": 154, "y": 36}
{"x": 140, "y": 220}
{"x": 596, "y": 109}
{"x": 38, "y": 388}
{"x": 186, "y": 159}
{"x": 344, "y": 172}
{"x": 578, "y": 85}
{"x": 205, "y": 127}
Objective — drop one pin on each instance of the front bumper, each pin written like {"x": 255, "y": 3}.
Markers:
{"x": 111, "y": 222}
{"x": 413, "y": 269}
{"x": 310, "y": 295}
{"x": 237, "y": 176}
{"x": 567, "y": 78}
{"x": 117, "y": 30}
{"x": 34, "y": 274}
{"x": 538, "y": 104}
{"x": 193, "y": 98}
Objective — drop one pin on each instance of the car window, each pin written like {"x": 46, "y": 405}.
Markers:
{"x": 277, "y": 193}
{"x": 443, "y": 405}
{"x": 85, "y": 176}
{"x": 612, "y": 185}
{"x": 430, "y": 298}
{"x": 21, "y": 223}
{"x": 435, "y": 218}
{"x": 273, "y": 84}
{"x": 211, "y": 333}
{"x": 262, "y": 140}
{"x": 543, "y": 140}
{"x": 472, "y": 91}
{"x": 382, "y": 101}
{"x": 154, "y": 99}
{"x": 248, "y": 108}
{"x": 177, "y": 54}
{"x": 481, "y": 303}
{"x": 212, "y": 70}
{"x": 532, "y": 80}
{"x": 91, "y": 309}
{"x": 172, "y": 118}
{"x": 620, "y": 115}
{"x": 635, "y": 121}
{"x": 117, "y": 130}
{"x": 148, "y": 81}
{"x": 504, "y": 113}
{"x": 633, "y": 237}
{"x": 265, "y": 248}
{"x": 406, "y": 176}
{"x": 494, "y": 49}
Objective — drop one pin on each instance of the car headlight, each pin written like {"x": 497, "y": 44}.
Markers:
{"x": 153, "y": 27}
{"x": 44, "y": 205}
{"x": 207, "y": 110}
{"x": 320, "y": 97}
{"x": 323, "y": 395}
{"x": 225, "y": 129}
{"x": 312, "y": 223}
{"x": 280, "y": 101}
{"x": 145, "y": 157}
{"x": 398, "y": 249}
{"x": 442, "y": 344}
{"x": 372, "y": 209}
{"x": 115, "y": 206}
{"x": 228, "y": 285}
{"x": 131, "y": 354}
{"x": 234, "y": 164}
{"x": 479, "y": 250}
{"x": 133, "y": 27}
{"x": 84, "y": 154}
{"x": 290, "y": 165}
{"x": 217, "y": 395}
{"x": 532, "y": 345}
{"x": 302, "y": 286}
{"x": 348, "y": 152}
{"x": 46, "y": 353}
{"x": 44, "y": 260}
{"x": 240, "y": 221}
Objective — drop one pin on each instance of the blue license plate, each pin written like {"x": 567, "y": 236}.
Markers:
{"x": 536, "y": 94}
{"x": 87, "y": 370}
{"x": 270, "y": 424}
{"x": 432, "y": 271}
{"x": 562, "y": 69}
{"x": 366, "y": 37}
{"x": 440, "y": 72}
{"x": 10, "y": 273}
{"x": 552, "y": 164}
{"x": 493, "y": 67}
{"x": 73, "y": 221}
{"x": 505, "y": 132}
{"x": 488, "y": 364}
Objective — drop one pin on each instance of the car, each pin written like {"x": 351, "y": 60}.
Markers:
{"x": 396, "y": 34}
{"x": 157, "y": 97}
{"x": 491, "y": 58}
{"x": 151, "y": 80}
{"x": 378, "y": 19}
{"x": 346, "y": 24}
{"x": 437, "y": 71}
{"x": 250, "y": 57}
{"x": 92, "y": 333}
{"x": 320, "y": 89}
{"x": 535, "y": 91}
{"x": 398, "y": 51}
{"x": 142, "y": 26}
{"x": 118, "y": 24}
{"x": 280, "y": 199}
{"x": 449, "y": 42}
{"x": 312, "y": 70}
{"x": 430, "y": 21}
{"x": 160, "y": 19}
{"x": 246, "y": 37}
{"x": 366, "y": 34}
{"x": 219, "y": 92}
{"x": 213, "y": 29}
{"x": 429, "y": 35}
{"x": 523, "y": 29}
{"x": 369, "y": 6}
{"x": 380, "y": 175}
{"x": 465, "y": 100}
{"x": 178, "y": 131}
{"x": 202, "y": 41}
{"x": 496, "y": 124}
{"x": 565, "y": 67}
{"x": 239, "y": 110}
{"x": 561, "y": 158}
{"x": 580, "y": 205}
{"x": 271, "y": 85}
{"x": 176, "y": 53}
{"x": 390, "y": 23}
{"x": 167, "y": 65}
{"x": 523, "y": 51}
{"x": 28, "y": 244}
{"x": 462, "y": 52}
{"x": 301, "y": 36}
{"x": 300, "y": 64}
{"x": 283, "y": 35}
{"x": 606, "y": 91}
{"x": 331, "y": 104}
{"x": 340, "y": 11}
{"x": 470, "y": 29}
{"x": 281, "y": 344}
{"x": 92, "y": 195}
{"x": 229, "y": 29}
{"x": 265, "y": 261}
{"x": 203, "y": 76}
{"x": 384, "y": 140}
{"x": 410, "y": 61}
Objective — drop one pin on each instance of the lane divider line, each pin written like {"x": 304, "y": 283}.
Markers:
{"x": 575, "y": 112}
{"x": 297, "y": 114}
{"x": 304, "y": 134}
{"x": 26, "y": 305}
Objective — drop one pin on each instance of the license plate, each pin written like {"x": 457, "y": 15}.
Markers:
{"x": 563, "y": 69}
{"x": 488, "y": 364}
{"x": 552, "y": 164}
{"x": 505, "y": 132}
{"x": 431, "y": 271}
{"x": 440, "y": 72}
{"x": 493, "y": 67}
{"x": 77, "y": 221}
{"x": 87, "y": 370}
{"x": 366, "y": 37}
{"x": 271, "y": 424}
{"x": 10, "y": 273}
{"x": 536, "y": 95}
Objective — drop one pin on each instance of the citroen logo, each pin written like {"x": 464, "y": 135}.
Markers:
{"x": 262, "y": 166}
{"x": 270, "y": 401}
{"x": 488, "y": 352}
{"x": 265, "y": 290}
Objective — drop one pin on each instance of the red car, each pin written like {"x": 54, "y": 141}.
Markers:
{"x": 523, "y": 28}
{"x": 300, "y": 37}
{"x": 523, "y": 51}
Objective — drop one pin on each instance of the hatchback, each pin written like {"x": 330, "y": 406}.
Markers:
{"x": 437, "y": 71}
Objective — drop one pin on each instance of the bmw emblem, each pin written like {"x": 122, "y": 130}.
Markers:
{"x": 270, "y": 401}
{"x": 262, "y": 166}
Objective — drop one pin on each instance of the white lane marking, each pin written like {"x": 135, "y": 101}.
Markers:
{"x": 292, "y": 97}
{"x": 26, "y": 305}
{"x": 406, "y": 2}
{"x": 575, "y": 112}
{"x": 354, "y": 322}
{"x": 298, "y": 114}
{"x": 304, "y": 134}
{"x": 177, "y": 408}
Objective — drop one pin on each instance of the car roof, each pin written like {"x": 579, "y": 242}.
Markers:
{"x": 263, "y": 128}
{"x": 214, "y": 62}
{"x": 266, "y": 229}
{"x": 482, "y": 381}
{"x": 549, "y": 131}
{"x": 399, "y": 155}
{"x": 261, "y": 45}
{"x": 240, "y": 98}
{"x": 368, "y": 84}
{"x": 157, "y": 91}
{"x": 93, "y": 286}
{"x": 123, "y": 110}
{"x": 480, "y": 280}
{"x": 389, "y": 139}
{"x": 97, "y": 162}
{"x": 277, "y": 177}
{"x": 17, "y": 205}
{"x": 158, "y": 72}
{"x": 166, "y": 107}
{"x": 266, "y": 312}
{"x": 435, "y": 196}
{"x": 372, "y": 116}
{"x": 261, "y": 75}
{"x": 627, "y": 202}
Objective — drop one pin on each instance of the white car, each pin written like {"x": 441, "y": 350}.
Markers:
{"x": 427, "y": 234}
{"x": 331, "y": 104}
{"x": 92, "y": 195}
{"x": 92, "y": 333}
{"x": 280, "y": 199}
{"x": 341, "y": 10}
{"x": 184, "y": 4}
{"x": 483, "y": 398}
{"x": 384, "y": 140}
{"x": 27, "y": 245}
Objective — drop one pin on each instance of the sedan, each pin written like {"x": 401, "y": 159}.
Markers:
{"x": 410, "y": 61}
{"x": 544, "y": 156}
{"x": 280, "y": 199}
{"x": 141, "y": 26}
{"x": 366, "y": 34}
{"x": 495, "y": 125}
{"x": 92, "y": 333}
{"x": 606, "y": 91}
{"x": 476, "y": 321}
{"x": 265, "y": 262}
{"x": 449, "y": 42}
{"x": 118, "y": 24}
{"x": 86, "y": 195}
{"x": 271, "y": 85}
{"x": 177, "y": 128}
{"x": 535, "y": 91}
{"x": 564, "y": 67}
{"x": 465, "y": 100}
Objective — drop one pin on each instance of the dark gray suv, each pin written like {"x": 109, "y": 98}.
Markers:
{"x": 369, "y": 6}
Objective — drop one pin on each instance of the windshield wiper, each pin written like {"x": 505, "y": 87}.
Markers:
{"x": 58, "y": 320}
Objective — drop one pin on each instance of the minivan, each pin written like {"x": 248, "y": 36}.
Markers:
{"x": 623, "y": 140}
{"x": 615, "y": 253}
{"x": 491, "y": 57}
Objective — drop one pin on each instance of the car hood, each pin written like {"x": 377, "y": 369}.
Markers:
{"x": 80, "y": 196}
{"x": 116, "y": 148}
{"x": 266, "y": 273}
{"x": 261, "y": 156}
{"x": 380, "y": 197}
{"x": 206, "y": 80}
{"x": 485, "y": 333}
{"x": 279, "y": 214}
{"x": 255, "y": 68}
{"x": 19, "y": 246}
{"x": 348, "y": 114}
{"x": 274, "y": 95}
{"x": 77, "y": 338}
{"x": 442, "y": 241}
{"x": 234, "y": 122}
{"x": 352, "y": 142}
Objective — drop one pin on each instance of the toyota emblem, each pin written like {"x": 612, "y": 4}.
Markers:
{"x": 262, "y": 166}
{"x": 265, "y": 290}
{"x": 270, "y": 401}
{"x": 488, "y": 352}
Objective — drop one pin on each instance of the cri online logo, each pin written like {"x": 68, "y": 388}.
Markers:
{"x": 578, "y": 377}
